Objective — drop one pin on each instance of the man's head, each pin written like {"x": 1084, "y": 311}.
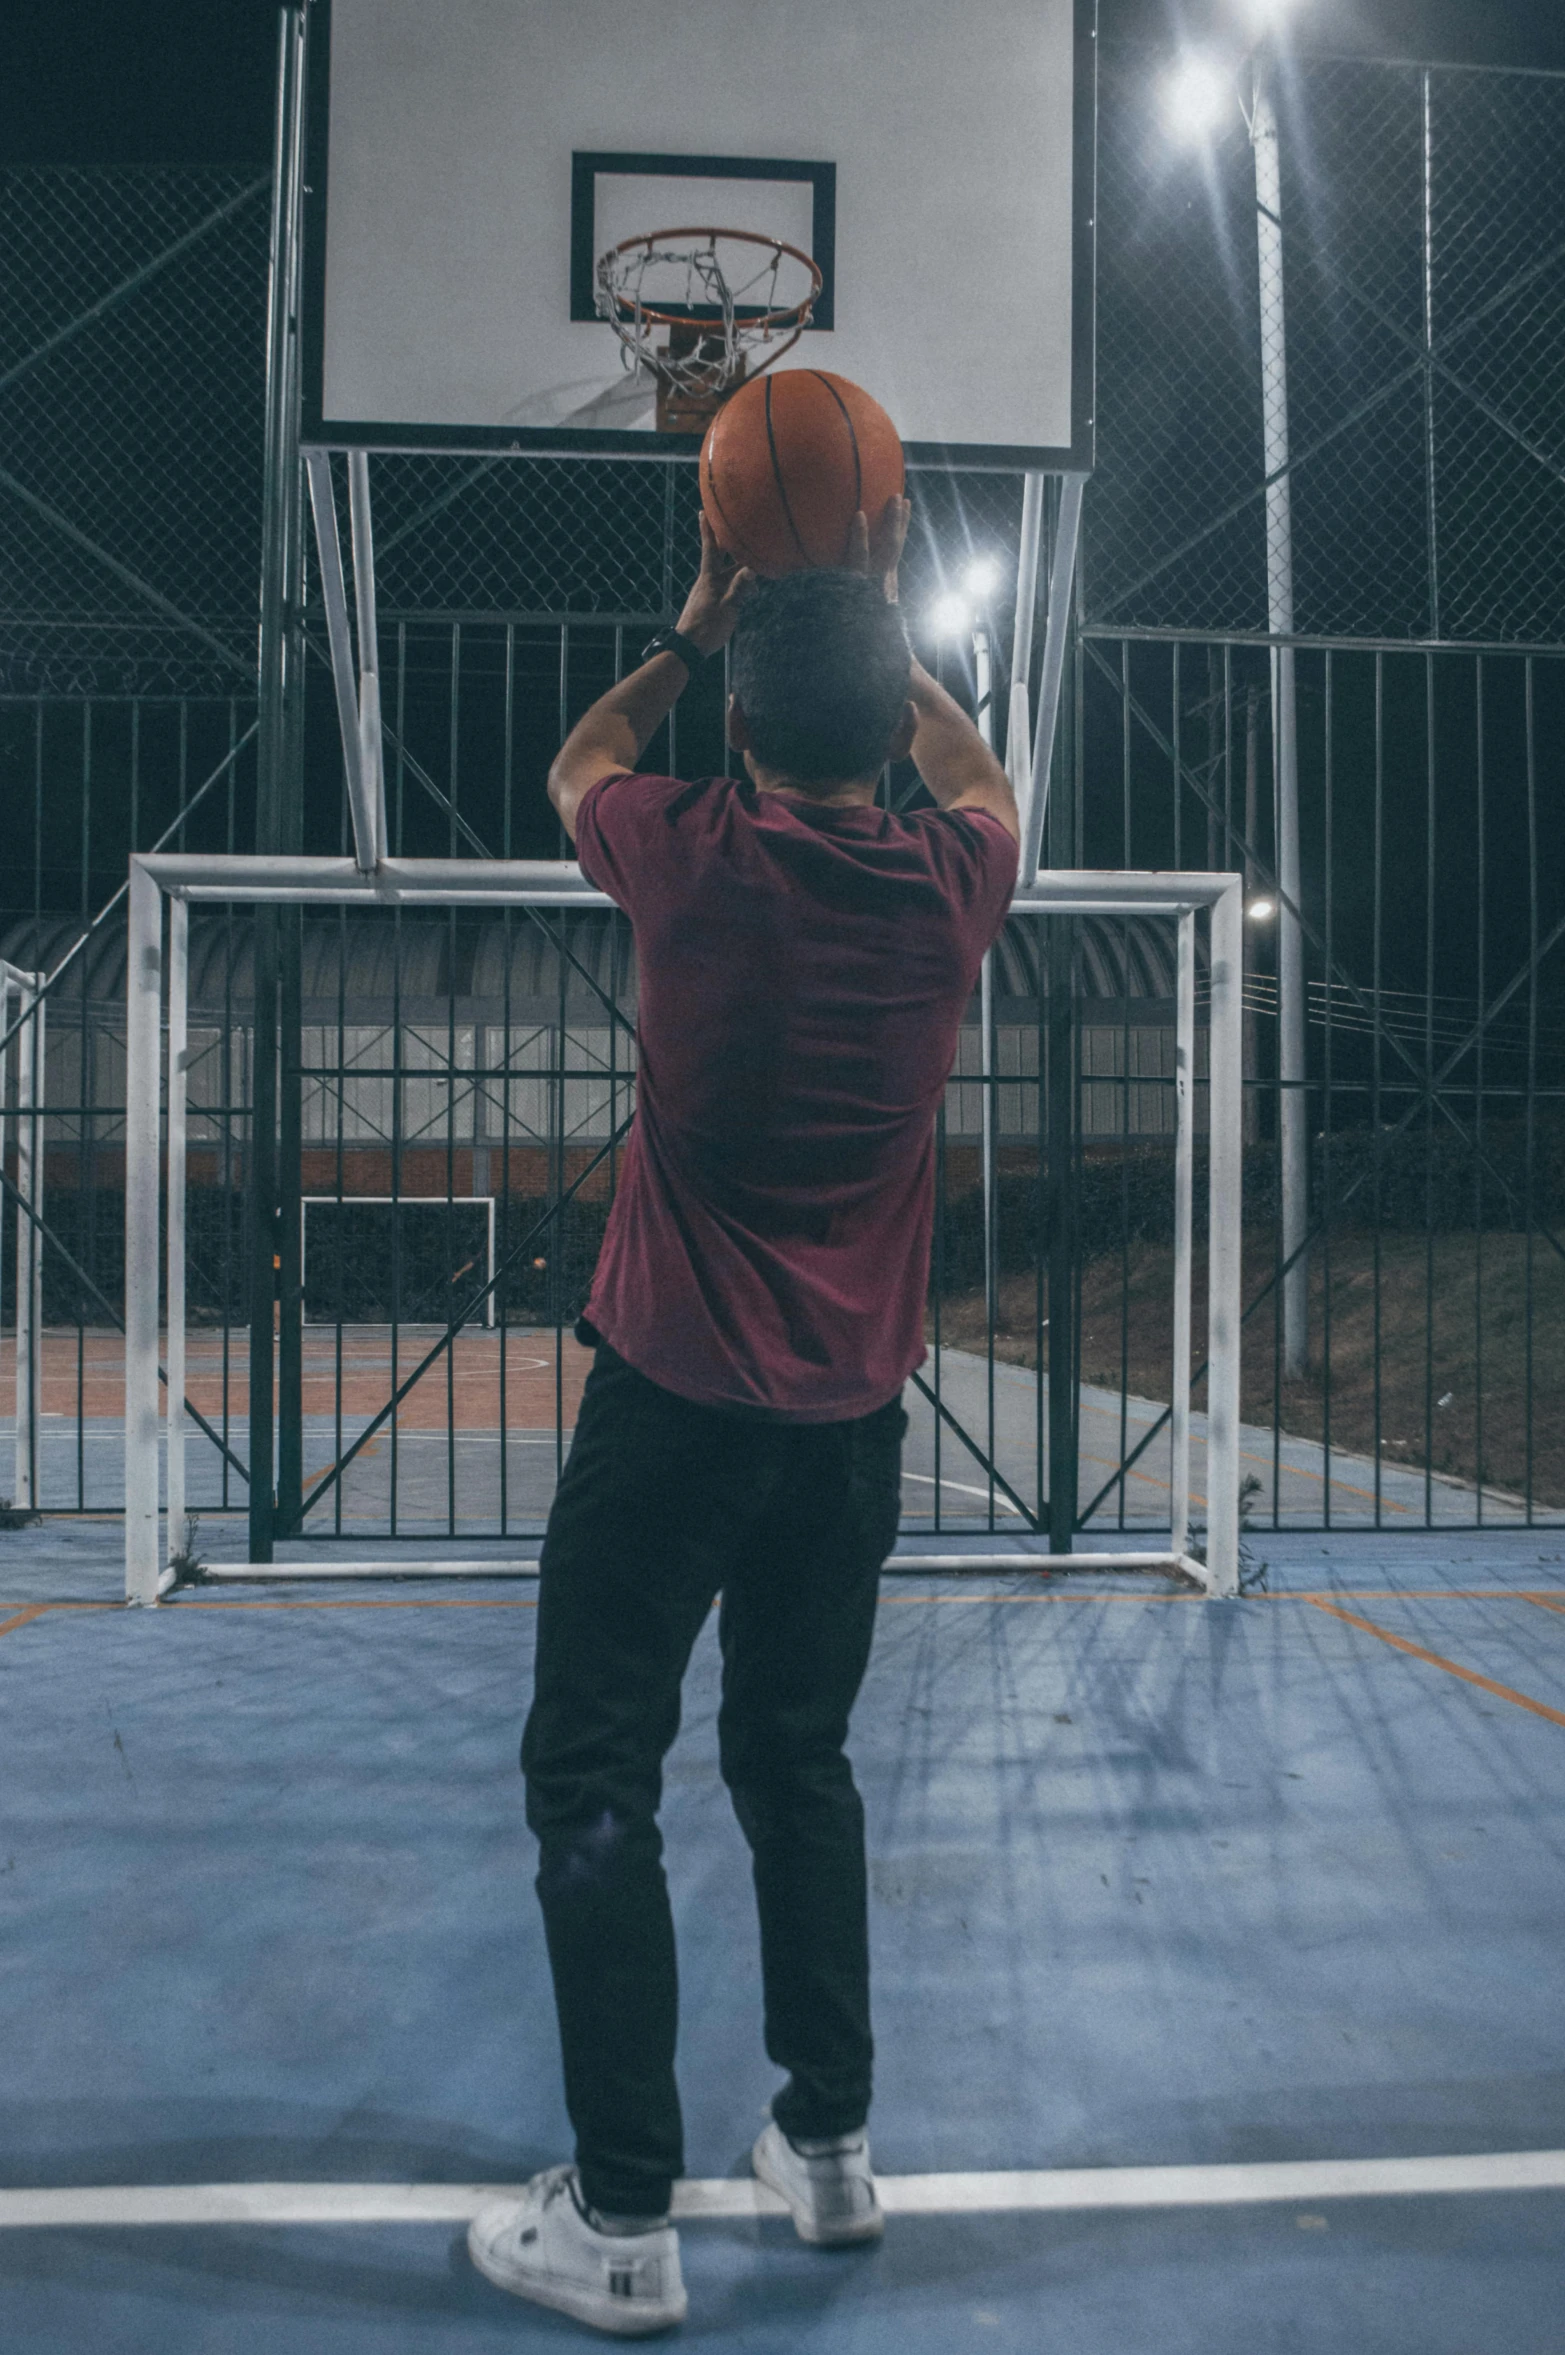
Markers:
{"x": 820, "y": 675}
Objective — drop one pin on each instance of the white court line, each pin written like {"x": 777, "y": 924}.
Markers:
{"x": 721, "y": 2198}
{"x": 960, "y": 1488}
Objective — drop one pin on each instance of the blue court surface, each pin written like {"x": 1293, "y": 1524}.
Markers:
{"x": 1157, "y": 1883}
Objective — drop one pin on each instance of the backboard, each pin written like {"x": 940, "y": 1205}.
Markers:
{"x": 470, "y": 159}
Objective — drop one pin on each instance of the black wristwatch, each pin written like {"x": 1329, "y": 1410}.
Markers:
{"x": 675, "y": 642}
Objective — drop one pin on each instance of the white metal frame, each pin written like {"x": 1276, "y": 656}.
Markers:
{"x": 414, "y": 1202}
{"x": 25, "y": 991}
{"x": 1029, "y": 748}
{"x": 182, "y": 877}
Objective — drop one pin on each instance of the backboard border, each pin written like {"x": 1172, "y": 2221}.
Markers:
{"x": 821, "y": 179}
{"x": 564, "y": 442}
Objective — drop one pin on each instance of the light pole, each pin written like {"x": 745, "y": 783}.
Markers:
{"x": 1200, "y": 97}
{"x": 1293, "y": 1127}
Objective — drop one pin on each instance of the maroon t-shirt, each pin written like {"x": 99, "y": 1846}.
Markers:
{"x": 803, "y": 973}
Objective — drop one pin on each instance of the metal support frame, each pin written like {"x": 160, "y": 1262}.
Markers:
{"x": 26, "y": 990}
{"x": 358, "y": 696}
{"x": 289, "y": 881}
{"x": 983, "y": 682}
{"x": 1034, "y": 802}
{"x": 1018, "y": 733}
{"x": 175, "y": 1529}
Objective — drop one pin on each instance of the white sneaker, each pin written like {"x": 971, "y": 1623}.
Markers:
{"x": 828, "y": 2186}
{"x": 543, "y": 2247}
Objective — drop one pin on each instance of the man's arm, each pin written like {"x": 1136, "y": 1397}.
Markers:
{"x": 949, "y": 754}
{"x": 952, "y": 758}
{"x": 609, "y": 740}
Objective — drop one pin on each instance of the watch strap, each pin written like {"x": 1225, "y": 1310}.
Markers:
{"x": 676, "y": 642}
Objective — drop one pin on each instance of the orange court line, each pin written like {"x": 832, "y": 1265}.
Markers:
{"x": 30, "y": 1611}
{"x": 1547, "y": 1602}
{"x": 33, "y": 1611}
{"x": 1487, "y": 1684}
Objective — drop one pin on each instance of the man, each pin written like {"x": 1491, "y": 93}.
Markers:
{"x": 805, "y": 957}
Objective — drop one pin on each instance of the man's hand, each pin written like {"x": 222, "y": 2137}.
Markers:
{"x": 720, "y": 587}
{"x": 878, "y": 552}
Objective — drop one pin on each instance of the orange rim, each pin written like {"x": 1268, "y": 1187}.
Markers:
{"x": 790, "y": 315}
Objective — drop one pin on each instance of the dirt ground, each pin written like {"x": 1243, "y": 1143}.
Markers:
{"x": 1426, "y": 1405}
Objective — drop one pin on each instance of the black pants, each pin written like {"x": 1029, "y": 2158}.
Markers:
{"x": 664, "y": 1505}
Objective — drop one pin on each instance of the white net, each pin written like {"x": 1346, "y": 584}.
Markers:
{"x": 702, "y": 308}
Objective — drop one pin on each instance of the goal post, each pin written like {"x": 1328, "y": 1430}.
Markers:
{"x": 157, "y": 988}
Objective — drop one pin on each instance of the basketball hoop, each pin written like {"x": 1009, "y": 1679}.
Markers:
{"x": 725, "y": 296}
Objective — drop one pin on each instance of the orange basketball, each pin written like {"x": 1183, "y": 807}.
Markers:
{"x": 788, "y": 461}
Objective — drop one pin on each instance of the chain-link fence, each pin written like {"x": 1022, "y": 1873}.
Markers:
{"x": 131, "y": 368}
{"x": 1424, "y": 272}
{"x": 1424, "y": 283}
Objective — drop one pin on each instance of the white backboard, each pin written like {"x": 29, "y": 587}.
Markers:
{"x": 470, "y": 158}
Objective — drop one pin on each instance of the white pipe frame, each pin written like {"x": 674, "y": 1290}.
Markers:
{"x": 143, "y": 1071}
{"x": 372, "y": 766}
{"x": 176, "y": 1532}
{"x": 1018, "y": 731}
{"x": 186, "y": 877}
{"x": 31, "y": 1008}
{"x": 1184, "y": 1221}
{"x": 1033, "y": 804}
{"x": 358, "y": 700}
{"x": 983, "y": 681}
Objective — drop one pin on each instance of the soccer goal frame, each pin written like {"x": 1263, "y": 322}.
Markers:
{"x": 157, "y": 1008}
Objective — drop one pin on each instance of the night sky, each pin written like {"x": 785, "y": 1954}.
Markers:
{"x": 190, "y": 81}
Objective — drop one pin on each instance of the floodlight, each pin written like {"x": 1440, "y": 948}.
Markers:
{"x": 982, "y": 577}
{"x": 1197, "y": 96}
{"x": 1261, "y": 911}
{"x": 1265, "y": 16}
{"x": 950, "y": 615}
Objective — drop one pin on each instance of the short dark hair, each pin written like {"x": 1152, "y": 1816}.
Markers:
{"x": 821, "y": 669}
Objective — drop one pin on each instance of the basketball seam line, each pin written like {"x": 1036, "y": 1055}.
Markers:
{"x": 853, "y": 440}
{"x": 777, "y": 475}
{"x": 740, "y": 545}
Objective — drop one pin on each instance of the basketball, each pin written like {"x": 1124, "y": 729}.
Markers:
{"x": 789, "y": 460}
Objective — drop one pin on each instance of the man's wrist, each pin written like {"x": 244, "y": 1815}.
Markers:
{"x": 682, "y": 643}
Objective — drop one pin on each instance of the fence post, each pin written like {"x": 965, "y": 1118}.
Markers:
{"x": 281, "y": 688}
